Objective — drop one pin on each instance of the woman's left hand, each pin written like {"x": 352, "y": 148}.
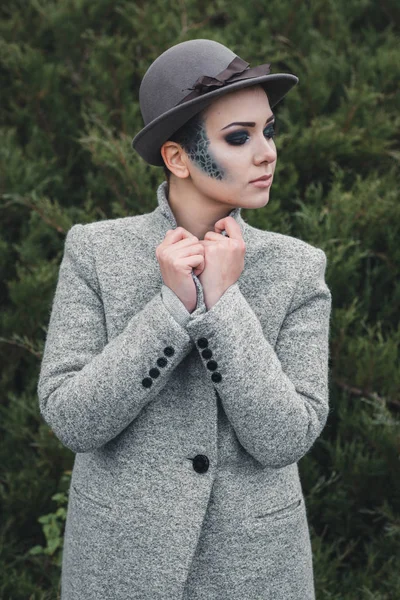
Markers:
{"x": 223, "y": 259}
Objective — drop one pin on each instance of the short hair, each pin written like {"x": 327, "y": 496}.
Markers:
{"x": 185, "y": 136}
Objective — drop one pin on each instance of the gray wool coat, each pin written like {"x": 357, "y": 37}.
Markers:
{"x": 186, "y": 428}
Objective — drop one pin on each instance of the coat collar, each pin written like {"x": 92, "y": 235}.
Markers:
{"x": 165, "y": 210}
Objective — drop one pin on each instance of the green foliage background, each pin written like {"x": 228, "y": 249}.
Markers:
{"x": 69, "y": 73}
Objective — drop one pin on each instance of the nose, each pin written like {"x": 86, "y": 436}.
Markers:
{"x": 266, "y": 151}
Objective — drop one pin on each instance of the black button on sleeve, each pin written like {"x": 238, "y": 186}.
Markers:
{"x": 206, "y": 353}
{"x": 169, "y": 351}
{"x": 202, "y": 342}
{"x": 212, "y": 365}
{"x": 147, "y": 382}
{"x": 154, "y": 373}
{"x": 162, "y": 362}
{"x": 216, "y": 377}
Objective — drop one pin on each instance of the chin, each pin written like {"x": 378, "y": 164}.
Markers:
{"x": 256, "y": 200}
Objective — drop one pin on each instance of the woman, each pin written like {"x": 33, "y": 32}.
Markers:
{"x": 186, "y": 359}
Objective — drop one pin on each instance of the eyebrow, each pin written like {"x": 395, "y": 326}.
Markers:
{"x": 248, "y": 124}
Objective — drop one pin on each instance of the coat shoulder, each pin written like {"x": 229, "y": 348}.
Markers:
{"x": 284, "y": 245}
{"x": 117, "y": 233}
{"x": 118, "y": 225}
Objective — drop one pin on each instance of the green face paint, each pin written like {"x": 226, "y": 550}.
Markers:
{"x": 193, "y": 139}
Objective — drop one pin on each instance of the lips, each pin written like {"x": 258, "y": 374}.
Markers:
{"x": 263, "y": 178}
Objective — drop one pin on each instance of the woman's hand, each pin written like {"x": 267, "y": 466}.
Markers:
{"x": 178, "y": 255}
{"x": 223, "y": 259}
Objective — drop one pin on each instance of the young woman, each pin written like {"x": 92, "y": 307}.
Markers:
{"x": 186, "y": 359}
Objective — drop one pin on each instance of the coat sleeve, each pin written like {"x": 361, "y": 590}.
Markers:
{"x": 175, "y": 306}
{"x": 90, "y": 389}
{"x": 276, "y": 398}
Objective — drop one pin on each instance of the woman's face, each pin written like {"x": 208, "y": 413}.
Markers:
{"x": 225, "y": 158}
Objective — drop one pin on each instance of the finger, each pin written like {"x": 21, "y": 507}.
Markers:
{"x": 231, "y": 227}
{"x": 207, "y": 242}
{"x": 211, "y": 235}
{"x": 179, "y": 233}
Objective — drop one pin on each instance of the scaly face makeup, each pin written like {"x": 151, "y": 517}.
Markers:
{"x": 196, "y": 144}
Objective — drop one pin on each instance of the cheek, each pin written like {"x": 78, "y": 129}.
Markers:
{"x": 273, "y": 145}
{"x": 231, "y": 163}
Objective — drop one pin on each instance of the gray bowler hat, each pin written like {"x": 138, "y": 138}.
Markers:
{"x": 185, "y": 79}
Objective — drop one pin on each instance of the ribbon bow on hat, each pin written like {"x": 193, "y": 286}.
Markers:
{"x": 237, "y": 70}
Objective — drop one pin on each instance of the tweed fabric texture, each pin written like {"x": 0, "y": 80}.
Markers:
{"x": 175, "y": 305}
{"x": 142, "y": 395}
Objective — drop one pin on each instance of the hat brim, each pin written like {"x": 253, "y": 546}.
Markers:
{"x": 150, "y": 139}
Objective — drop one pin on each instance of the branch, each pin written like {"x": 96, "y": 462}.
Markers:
{"x": 22, "y": 345}
{"x": 371, "y": 395}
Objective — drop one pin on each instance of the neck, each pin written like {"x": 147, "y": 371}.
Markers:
{"x": 192, "y": 210}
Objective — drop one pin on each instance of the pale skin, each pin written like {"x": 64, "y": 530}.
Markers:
{"x": 211, "y": 180}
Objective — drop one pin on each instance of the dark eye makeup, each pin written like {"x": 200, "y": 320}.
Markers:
{"x": 240, "y": 137}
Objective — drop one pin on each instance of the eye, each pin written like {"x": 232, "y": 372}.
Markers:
{"x": 237, "y": 138}
{"x": 270, "y": 131}
{"x": 240, "y": 137}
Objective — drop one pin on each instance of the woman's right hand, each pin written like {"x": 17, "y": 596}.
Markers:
{"x": 179, "y": 254}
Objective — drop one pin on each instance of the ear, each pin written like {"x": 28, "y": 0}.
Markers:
{"x": 175, "y": 159}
